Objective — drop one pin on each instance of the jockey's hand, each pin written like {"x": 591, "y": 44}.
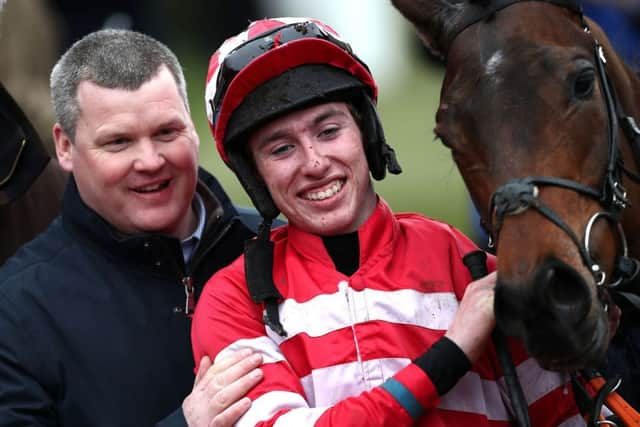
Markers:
{"x": 217, "y": 398}
{"x": 472, "y": 325}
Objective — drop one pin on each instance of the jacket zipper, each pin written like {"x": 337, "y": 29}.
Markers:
{"x": 190, "y": 299}
{"x": 187, "y": 280}
{"x": 345, "y": 287}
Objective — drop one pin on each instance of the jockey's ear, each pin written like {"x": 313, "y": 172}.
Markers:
{"x": 64, "y": 147}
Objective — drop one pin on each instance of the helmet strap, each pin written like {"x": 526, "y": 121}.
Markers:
{"x": 389, "y": 156}
{"x": 253, "y": 185}
{"x": 258, "y": 267}
{"x": 380, "y": 156}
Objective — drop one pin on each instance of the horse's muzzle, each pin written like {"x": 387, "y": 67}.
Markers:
{"x": 557, "y": 316}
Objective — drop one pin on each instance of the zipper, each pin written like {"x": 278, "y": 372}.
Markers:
{"x": 201, "y": 254}
{"x": 346, "y": 289}
{"x": 187, "y": 280}
{"x": 190, "y": 299}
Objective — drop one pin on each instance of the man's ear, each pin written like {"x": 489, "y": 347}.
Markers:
{"x": 64, "y": 147}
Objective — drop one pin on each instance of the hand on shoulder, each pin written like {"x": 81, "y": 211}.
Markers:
{"x": 218, "y": 396}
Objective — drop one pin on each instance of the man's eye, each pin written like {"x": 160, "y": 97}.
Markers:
{"x": 167, "y": 134}
{"x": 281, "y": 149}
{"x": 330, "y": 131}
{"x": 116, "y": 143}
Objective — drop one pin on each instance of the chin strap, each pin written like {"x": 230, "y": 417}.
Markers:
{"x": 258, "y": 267}
{"x": 389, "y": 156}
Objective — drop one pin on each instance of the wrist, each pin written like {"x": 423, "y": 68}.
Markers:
{"x": 445, "y": 363}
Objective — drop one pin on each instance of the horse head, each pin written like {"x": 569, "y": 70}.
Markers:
{"x": 534, "y": 119}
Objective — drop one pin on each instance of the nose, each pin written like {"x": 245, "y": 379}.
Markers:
{"x": 556, "y": 295}
{"x": 148, "y": 156}
{"x": 315, "y": 162}
{"x": 564, "y": 291}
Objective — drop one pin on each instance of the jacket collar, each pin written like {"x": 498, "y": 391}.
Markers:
{"x": 374, "y": 236}
{"x": 159, "y": 251}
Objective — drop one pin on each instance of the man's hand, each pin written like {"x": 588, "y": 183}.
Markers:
{"x": 217, "y": 396}
{"x": 472, "y": 325}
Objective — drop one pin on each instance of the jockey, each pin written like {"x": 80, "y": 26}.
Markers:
{"x": 363, "y": 317}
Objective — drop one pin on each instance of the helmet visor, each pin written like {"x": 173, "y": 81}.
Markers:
{"x": 242, "y": 55}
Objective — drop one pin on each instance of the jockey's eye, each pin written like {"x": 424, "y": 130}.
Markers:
{"x": 584, "y": 83}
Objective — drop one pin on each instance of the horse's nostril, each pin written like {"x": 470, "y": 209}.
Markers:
{"x": 564, "y": 291}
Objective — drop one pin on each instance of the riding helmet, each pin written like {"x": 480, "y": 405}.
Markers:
{"x": 274, "y": 67}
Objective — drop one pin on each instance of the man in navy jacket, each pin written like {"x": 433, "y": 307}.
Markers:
{"x": 95, "y": 313}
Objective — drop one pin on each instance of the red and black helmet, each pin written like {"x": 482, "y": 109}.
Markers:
{"x": 277, "y": 66}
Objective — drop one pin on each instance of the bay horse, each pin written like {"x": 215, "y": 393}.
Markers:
{"x": 540, "y": 115}
{"x": 31, "y": 183}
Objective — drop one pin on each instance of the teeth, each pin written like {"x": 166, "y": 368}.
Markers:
{"x": 321, "y": 195}
{"x": 151, "y": 188}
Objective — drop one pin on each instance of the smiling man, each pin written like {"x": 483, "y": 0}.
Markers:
{"x": 136, "y": 157}
{"x": 363, "y": 317}
{"x": 315, "y": 168}
{"x": 95, "y": 313}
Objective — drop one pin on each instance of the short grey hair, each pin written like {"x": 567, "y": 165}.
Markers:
{"x": 114, "y": 59}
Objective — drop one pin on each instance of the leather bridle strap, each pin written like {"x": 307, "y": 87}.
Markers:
{"x": 518, "y": 194}
{"x": 616, "y": 196}
{"x": 521, "y": 194}
{"x": 477, "y": 11}
{"x": 476, "y": 263}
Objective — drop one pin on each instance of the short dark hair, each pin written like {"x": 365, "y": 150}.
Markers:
{"x": 115, "y": 59}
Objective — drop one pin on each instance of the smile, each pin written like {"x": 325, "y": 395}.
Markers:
{"x": 334, "y": 188}
{"x": 152, "y": 188}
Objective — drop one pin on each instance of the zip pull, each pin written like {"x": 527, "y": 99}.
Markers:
{"x": 190, "y": 299}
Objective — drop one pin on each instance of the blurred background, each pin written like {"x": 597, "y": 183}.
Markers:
{"x": 33, "y": 33}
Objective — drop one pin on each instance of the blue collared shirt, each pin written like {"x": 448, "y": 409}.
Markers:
{"x": 190, "y": 244}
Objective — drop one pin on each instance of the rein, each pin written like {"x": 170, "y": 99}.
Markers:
{"x": 518, "y": 195}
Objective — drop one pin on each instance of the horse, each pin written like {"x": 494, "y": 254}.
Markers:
{"x": 31, "y": 184}
{"x": 539, "y": 113}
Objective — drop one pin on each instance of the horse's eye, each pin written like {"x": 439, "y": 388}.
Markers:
{"x": 583, "y": 84}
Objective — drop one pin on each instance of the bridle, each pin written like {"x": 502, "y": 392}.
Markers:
{"x": 518, "y": 195}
